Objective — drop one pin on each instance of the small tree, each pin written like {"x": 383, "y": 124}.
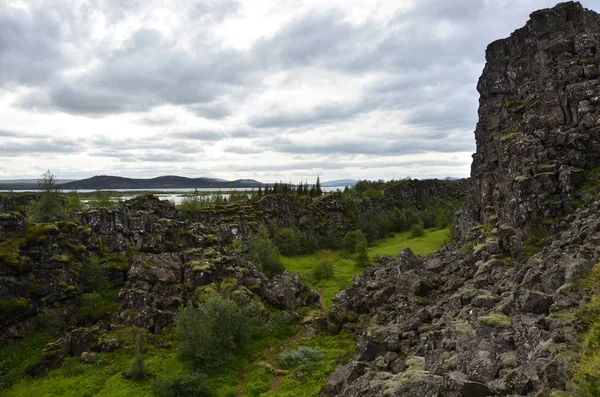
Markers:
{"x": 264, "y": 253}
{"x": 323, "y": 271}
{"x": 318, "y": 191}
{"x": 288, "y": 241}
{"x": 138, "y": 366}
{"x": 352, "y": 241}
{"x": 49, "y": 206}
{"x": 362, "y": 256}
{"x": 213, "y": 332}
{"x": 417, "y": 230}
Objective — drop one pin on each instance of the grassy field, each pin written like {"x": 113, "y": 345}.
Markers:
{"x": 344, "y": 268}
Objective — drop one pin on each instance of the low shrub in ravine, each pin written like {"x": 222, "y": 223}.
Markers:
{"x": 192, "y": 385}
{"x": 323, "y": 271}
{"x": 211, "y": 333}
{"x": 301, "y": 356}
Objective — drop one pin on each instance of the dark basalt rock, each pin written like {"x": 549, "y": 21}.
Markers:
{"x": 479, "y": 318}
{"x": 539, "y": 123}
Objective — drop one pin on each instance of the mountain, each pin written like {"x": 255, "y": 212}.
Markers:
{"x": 107, "y": 182}
{"x": 339, "y": 182}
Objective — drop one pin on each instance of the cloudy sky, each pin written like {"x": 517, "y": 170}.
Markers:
{"x": 281, "y": 89}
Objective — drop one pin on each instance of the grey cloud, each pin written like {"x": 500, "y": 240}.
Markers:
{"x": 242, "y": 149}
{"x": 305, "y": 166}
{"x": 378, "y": 147}
{"x": 200, "y": 135}
{"x": 123, "y": 148}
{"x": 318, "y": 114}
{"x": 13, "y": 148}
{"x": 30, "y": 45}
{"x": 214, "y": 111}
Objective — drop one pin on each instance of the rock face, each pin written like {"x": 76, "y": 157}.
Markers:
{"x": 538, "y": 132}
{"x": 484, "y": 316}
{"x": 155, "y": 259}
{"x": 327, "y": 215}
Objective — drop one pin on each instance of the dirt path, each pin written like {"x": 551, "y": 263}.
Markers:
{"x": 241, "y": 386}
{"x": 276, "y": 383}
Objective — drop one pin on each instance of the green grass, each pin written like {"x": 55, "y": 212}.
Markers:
{"x": 344, "y": 267}
{"x": 102, "y": 378}
{"x": 432, "y": 241}
{"x": 15, "y": 358}
{"x": 337, "y": 350}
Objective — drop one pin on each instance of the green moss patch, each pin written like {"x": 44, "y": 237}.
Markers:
{"x": 496, "y": 320}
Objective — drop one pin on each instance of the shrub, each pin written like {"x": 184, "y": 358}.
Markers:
{"x": 138, "y": 367}
{"x": 301, "y": 356}
{"x": 428, "y": 217}
{"x": 287, "y": 241}
{"x": 398, "y": 220}
{"x": 49, "y": 206}
{"x": 352, "y": 240}
{"x": 417, "y": 230}
{"x": 308, "y": 242}
{"x": 264, "y": 253}
{"x": 101, "y": 199}
{"x": 368, "y": 227}
{"x": 411, "y": 218}
{"x": 323, "y": 271}
{"x": 192, "y": 385}
{"x": 362, "y": 257}
{"x": 330, "y": 241}
{"x": 383, "y": 224}
{"x": 211, "y": 333}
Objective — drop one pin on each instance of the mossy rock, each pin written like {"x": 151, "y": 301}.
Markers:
{"x": 39, "y": 232}
{"x": 13, "y": 304}
{"x": 508, "y": 359}
{"x": 62, "y": 258}
{"x": 496, "y": 320}
{"x": 10, "y": 252}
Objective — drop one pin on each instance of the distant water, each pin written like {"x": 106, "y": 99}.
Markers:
{"x": 174, "y": 195}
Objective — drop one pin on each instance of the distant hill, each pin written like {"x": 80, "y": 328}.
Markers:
{"x": 107, "y": 182}
{"x": 339, "y": 182}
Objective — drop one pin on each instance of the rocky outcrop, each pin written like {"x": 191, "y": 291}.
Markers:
{"x": 538, "y": 132}
{"x": 327, "y": 215}
{"x": 484, "y": 316}
{"x": 156, "y": 260}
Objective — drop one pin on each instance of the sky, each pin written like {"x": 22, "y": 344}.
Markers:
{"x": 271, "y": 90}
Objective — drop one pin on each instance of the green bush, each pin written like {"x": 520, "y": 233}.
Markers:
{"x": 301, "y": 356}
{"x": 193, "y": 385}
{"x": 330, "y": 241}
{"x": 417, "y": 230}
{"x": 308, "y": 242}
{"x": 398, "y": 220}
{"x": 287, "y": 241}
{"x": 138, "y": 366}
{"x": 323, "y": 271}
{"x": 352, "y": 240}
{"x": 264, "y": 253}
{"x": 211, "y": 333}
{"x": 101, "y": 199}
{"x": 49, "y": 206}
{"x": 362, "y": 257}
{"x": 368, "y": 227}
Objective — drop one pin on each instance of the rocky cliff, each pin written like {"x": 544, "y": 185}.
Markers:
{"x": 539, "y": 128}
{"x": 155, "y": 262}
{"x": 499, "y": 312}
{"x": 328, "y": 215}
